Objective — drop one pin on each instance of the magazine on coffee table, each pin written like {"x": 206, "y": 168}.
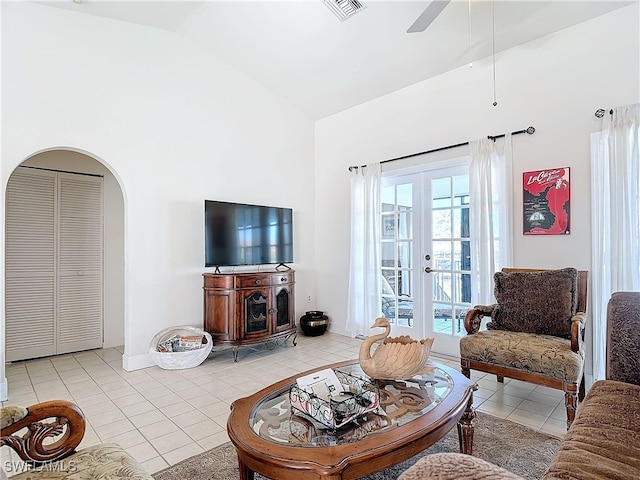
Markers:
{"x": 324, "y": 384}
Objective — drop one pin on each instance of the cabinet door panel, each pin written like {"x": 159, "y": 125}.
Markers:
{"x": 283, "y": 312}
{"x": 256, "y": 311}
{"x": 219, "y": 307}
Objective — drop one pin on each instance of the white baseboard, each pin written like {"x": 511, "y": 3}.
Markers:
{"x": 137, "y": 362}
{"x": 339, "y": 331}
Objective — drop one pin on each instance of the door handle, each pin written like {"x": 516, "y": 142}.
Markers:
{"x": 428, "y": 270}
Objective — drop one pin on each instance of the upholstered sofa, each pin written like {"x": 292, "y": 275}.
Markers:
{"x": 603, "y": 442}
{"x": 45, "y": 437}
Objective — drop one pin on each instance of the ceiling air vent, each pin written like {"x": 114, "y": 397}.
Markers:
{"x": 344, "y": 9}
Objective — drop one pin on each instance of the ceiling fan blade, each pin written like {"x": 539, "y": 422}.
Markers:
{"x": 428, "y": 16}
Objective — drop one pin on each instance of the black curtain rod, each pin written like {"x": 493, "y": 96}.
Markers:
{"x": 528, "y": 130}
{"x": 600, "y": 112}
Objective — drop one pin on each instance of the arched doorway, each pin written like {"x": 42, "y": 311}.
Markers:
{"x": 69, "y": 162}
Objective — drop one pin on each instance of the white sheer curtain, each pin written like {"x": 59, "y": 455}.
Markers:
{"x": 615, "y": 218}
{"x": 365, "y": 264}
{"x": 490, "y": 214}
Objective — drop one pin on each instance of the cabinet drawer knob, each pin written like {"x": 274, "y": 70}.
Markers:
{"x": 258, "y": 282}
{"x": 283, "y": 279}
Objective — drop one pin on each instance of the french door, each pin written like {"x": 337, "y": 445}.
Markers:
{"x": 426, "y": 260}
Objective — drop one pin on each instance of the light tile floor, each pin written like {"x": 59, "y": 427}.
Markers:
{"x": 164, "y": 416}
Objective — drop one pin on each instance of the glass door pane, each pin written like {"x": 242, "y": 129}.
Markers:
{"x": 398, "y": 224}
{"x": 447, "y": 275}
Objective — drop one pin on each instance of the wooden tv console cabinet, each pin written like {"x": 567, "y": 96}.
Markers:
{"x": 250, "y": 308}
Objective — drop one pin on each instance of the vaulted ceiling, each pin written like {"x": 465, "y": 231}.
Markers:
{"x": 302, "y": 52}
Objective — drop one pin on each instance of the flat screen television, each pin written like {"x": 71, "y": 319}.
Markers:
{"x": 242, "y": 234}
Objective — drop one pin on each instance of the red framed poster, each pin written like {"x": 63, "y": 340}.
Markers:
{"x": 546, "y": 201}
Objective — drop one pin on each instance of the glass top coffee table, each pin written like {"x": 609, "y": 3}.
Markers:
{"x": 277, "y": 441}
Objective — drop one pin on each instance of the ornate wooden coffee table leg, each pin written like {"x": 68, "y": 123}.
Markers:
{"x": 466, "y": 425}
{"x": 245, "y": 472}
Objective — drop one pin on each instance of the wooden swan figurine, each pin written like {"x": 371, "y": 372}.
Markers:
{"x": 396, "y": 358}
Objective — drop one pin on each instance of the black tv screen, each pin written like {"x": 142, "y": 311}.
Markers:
{"x": 242, "y": 234}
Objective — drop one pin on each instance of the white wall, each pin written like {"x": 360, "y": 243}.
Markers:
{"x": 555, "y": 84}
{"x": 175, "y": 126}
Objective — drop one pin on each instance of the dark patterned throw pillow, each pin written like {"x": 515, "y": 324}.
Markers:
{"x": 536, "y": 302}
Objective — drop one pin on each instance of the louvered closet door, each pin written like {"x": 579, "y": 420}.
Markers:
{"x": 79, "y": 305}
{"x": 53, "y": 264}
{"x": 30, "y": 265}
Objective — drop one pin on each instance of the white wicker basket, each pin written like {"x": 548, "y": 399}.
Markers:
{"x": 179, "y": 360}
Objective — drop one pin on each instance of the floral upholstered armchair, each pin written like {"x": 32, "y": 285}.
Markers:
{"x": 536, "y": 332}
{"x": 45, "y": 437}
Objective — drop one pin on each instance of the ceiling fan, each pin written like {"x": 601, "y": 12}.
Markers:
{"x": 434, "y": 9}
{"x": 428, "y": 16}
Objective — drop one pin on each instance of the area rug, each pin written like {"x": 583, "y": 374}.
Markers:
{"x": 519, "y": 449}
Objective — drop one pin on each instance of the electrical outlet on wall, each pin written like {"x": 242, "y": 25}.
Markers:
{"x": 308, "y": 298}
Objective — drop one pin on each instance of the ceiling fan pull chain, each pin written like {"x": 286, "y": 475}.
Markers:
{"x": 493, "y": 47}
